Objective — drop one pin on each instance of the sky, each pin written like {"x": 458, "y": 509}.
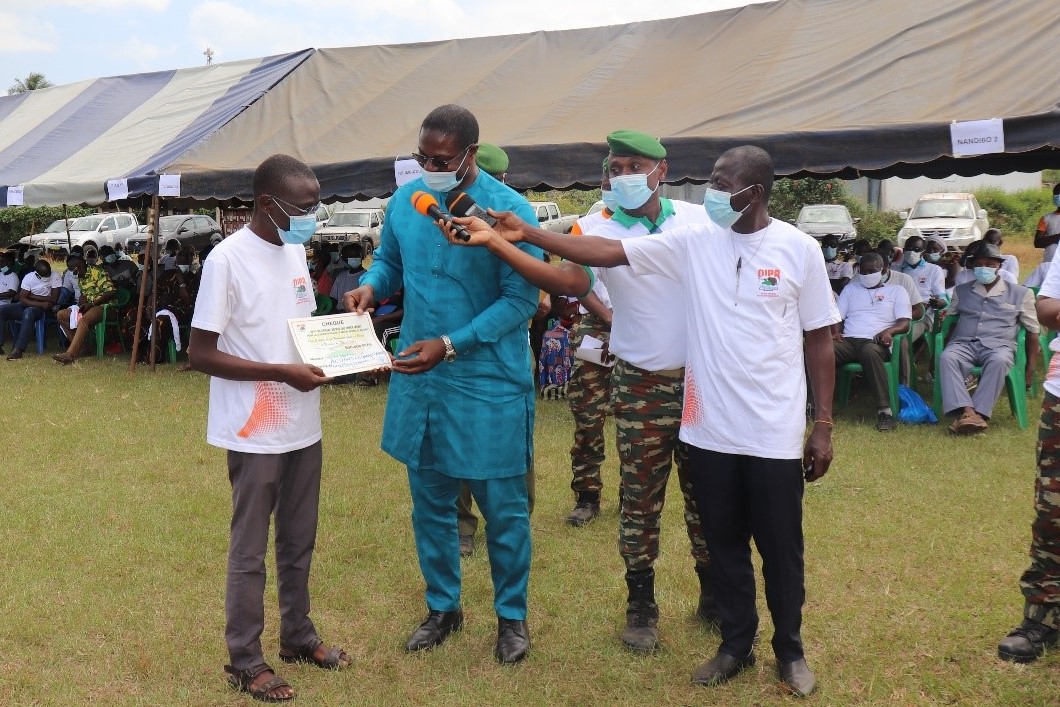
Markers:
{"x": 74, "y": 40}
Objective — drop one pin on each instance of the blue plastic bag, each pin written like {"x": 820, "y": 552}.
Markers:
{"x": 914, "y": 411}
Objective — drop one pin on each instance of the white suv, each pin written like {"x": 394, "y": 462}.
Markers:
{"x": 955, "y": 218}
{"x": 93, "y": 231}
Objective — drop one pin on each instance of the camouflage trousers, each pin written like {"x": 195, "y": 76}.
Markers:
{"x": 589, "y": 393}
{"x": 647, "y": 408}
{"x": 1041, "y": 582}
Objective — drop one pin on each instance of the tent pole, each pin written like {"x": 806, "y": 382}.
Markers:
{"x": 66, "y": 220}
{"x": 152, "y": 227}
{"x": 153, "y": 331}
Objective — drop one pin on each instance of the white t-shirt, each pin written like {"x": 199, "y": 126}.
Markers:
{"x": 648, "y": 328}
{"x": 745, "y": 382}
{"x": 838, "y": 269}
{"x": 1051, "y": 288}
{"x": 1011, "y": 264}
{"x": 249, "y": 289}
{"x": 9, "y": 282}
{"x": 930, "y": 279}
{"x": 599, "y": 288}
{"x": 896, "y": 277}
{"x": 40, "y": 287}
{"x": 1035, "y": 279}
{"x": 868, "y": 312}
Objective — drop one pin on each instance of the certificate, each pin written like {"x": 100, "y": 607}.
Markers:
{"x": 339, "y": 344}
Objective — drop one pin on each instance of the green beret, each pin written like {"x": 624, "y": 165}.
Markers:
{"x": 631, "y": 142}
{"x": 491, "y": 158}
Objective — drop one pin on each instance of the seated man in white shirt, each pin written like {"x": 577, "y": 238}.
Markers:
{"x": 873, "y": 313}
{"x": 1011, "y": 264}
{"x": 991, "y": 311}
{"x": 839, "y": 271}
{"x": 930, "y": 281}
{"x": 8, "y": 278}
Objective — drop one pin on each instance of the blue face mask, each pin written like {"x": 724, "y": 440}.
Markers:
{"x": 632, "y": 190}
{"x": 335, "y": 257}
{"x": 933, "y": 257}
{"x": 984, "y": 275}
{"x": 1056, "y": 200}
{"x": 445, "y": 182}
{"x": 5, "y": 270}
{"x": 609, "y": 199}
{"x": 110, "y": 258}
{"x": 354, "y": 263}
{"x": 830, "y": 253}
{"x": 719, "y": 207}
{"x": 301, "y": 229}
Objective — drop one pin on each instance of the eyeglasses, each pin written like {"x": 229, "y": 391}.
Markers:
{"x": 916, "y": 249}
{"x": 303, "y": 211}
{"x": 437, "y": 162}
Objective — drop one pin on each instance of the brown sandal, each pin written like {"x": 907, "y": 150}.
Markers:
{"x": 335, "y": 659}
{"x": 241, "y": 680}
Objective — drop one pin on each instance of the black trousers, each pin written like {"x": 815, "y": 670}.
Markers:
{"x": 740, "y": 498}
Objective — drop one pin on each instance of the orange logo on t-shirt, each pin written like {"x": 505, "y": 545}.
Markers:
{"x": 692, "y": 414}
{"x": 272, "y": 409}
{"x": 768, "y": 282}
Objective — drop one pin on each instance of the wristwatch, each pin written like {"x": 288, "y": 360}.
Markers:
{"x": 450, "y": 352}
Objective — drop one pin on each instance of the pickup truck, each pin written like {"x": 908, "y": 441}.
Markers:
{"x": 353, "y": 225}
{"x": 550, "y": 219}
{"x": 93, "y": 231}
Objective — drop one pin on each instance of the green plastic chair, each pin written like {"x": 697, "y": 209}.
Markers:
{"x": 117, "y": 304}
{"x": 845, "y": 373}
{"x": 1015, "y": 381}
{"x": 324, "y": 305}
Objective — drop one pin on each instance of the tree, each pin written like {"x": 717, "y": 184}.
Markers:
{"x": 34, "y": 81}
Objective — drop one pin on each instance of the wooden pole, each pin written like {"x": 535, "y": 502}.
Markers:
{"x": 152, "y": 229}
{"x": 154, "y": 296}
{"x": 66, "y": 219}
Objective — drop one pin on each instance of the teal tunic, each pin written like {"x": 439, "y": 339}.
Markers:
{"x": 477, "y": 413}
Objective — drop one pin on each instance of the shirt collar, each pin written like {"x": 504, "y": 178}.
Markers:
{"x": 1000, "y": 287}
{"x": 666, "y": 211}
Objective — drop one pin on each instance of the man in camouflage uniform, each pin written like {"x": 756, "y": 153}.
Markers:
{"x": 589, "y": 390}
{"x": 1040, "y": 584}
{"x": 648, "y": 339}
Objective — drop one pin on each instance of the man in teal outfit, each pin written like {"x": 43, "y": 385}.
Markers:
{"x": 461, "y": 400}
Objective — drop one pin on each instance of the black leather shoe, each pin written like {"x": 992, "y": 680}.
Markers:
{"x": 513, "y": 641}
{"x": 721, "y": 668}
{"x": 467, "y": 545}
{"x": 797, "y": 677}
{"x": 434, "y": 630}
{"x": 1027, "y": 642}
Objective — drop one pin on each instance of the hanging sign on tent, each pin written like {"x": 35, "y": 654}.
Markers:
{"x": 117, "y": 189}
{"x": 169, "y": 185}
{"x": 14, "y": 195}
{"x": 405, "y": 171}
{"x": 977, "y": 137}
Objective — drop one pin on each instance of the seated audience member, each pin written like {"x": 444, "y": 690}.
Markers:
{"x": 839, "y": 271}
{"x": 893, "y": 276}
{"x": 119, "y": 250}
{"x": 349, "y": 277}
{"x": 1037, "y": 277}
{"x": 174, "y": 305}
{"x": 24, "y": 261}
{"x": 36, "y": 295}
{"x": 967, "y": 272}
{"x": 930, "y": 281}
{"x": 9, "y": 281}
{"x": 892, "y": 255}
{"x": 320, "y": 270}
{"x": 123, "y": 273}
{"x": 859, "y": 248}
{"x": 936, "y": 253}
{"x": 68, "y": 287}
{"x": 94, "y": 289}
{"x": 1011, "y": 264}
{"x": 873, "y": 313}
{"x": 991, "y": 311}
{"x": 168, "y": 261}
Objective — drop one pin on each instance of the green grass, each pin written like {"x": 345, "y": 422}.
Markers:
{"x": 114, "y": 525}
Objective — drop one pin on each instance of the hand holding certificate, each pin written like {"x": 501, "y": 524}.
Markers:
{"x": 340, "y": 344}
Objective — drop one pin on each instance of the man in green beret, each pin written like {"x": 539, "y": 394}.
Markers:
{"x": 493, "y": 160}
{"x": 648, "y": 338}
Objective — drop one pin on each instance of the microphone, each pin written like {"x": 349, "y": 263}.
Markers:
{"x": 428, "y": 206}
{"x": 461, "y": 204}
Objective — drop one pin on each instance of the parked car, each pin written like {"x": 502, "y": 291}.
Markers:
{"x": 820, "y": 220}
{"x": 92, "y": 231}
{"x": 549, "y": 217}
{"x": 353, "y": 225}
{"x": 955, "y": 218}
{"x": 195, "y": 230}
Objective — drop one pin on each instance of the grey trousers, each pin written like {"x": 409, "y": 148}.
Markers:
{"x": 957, "y": 361}
{"x": 288, "y": 485}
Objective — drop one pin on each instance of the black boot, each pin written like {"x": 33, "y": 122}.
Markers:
{"x": 707, "y": 611}
{"x": 587, "y": 508}
{"x": 642, "y": 614}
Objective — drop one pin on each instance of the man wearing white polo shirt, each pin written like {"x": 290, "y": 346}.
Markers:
{"x": 755, "y": 289}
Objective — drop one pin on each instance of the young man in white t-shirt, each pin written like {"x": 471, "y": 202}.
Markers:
{"x": 753, "y": 287}
{"x": 38, "y": 292}
{"x": 8, "y": 279}
{"x": 873, "y": 314}
{"x": 265, "y": 410}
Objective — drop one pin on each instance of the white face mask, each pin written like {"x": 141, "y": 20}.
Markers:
{"x": 912, "y": 258}
{"x": 868, "y": 280}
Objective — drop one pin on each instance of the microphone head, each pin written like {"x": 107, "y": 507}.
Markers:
{"x": 460, "y": 204}
{"x": 422, "y": 201}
